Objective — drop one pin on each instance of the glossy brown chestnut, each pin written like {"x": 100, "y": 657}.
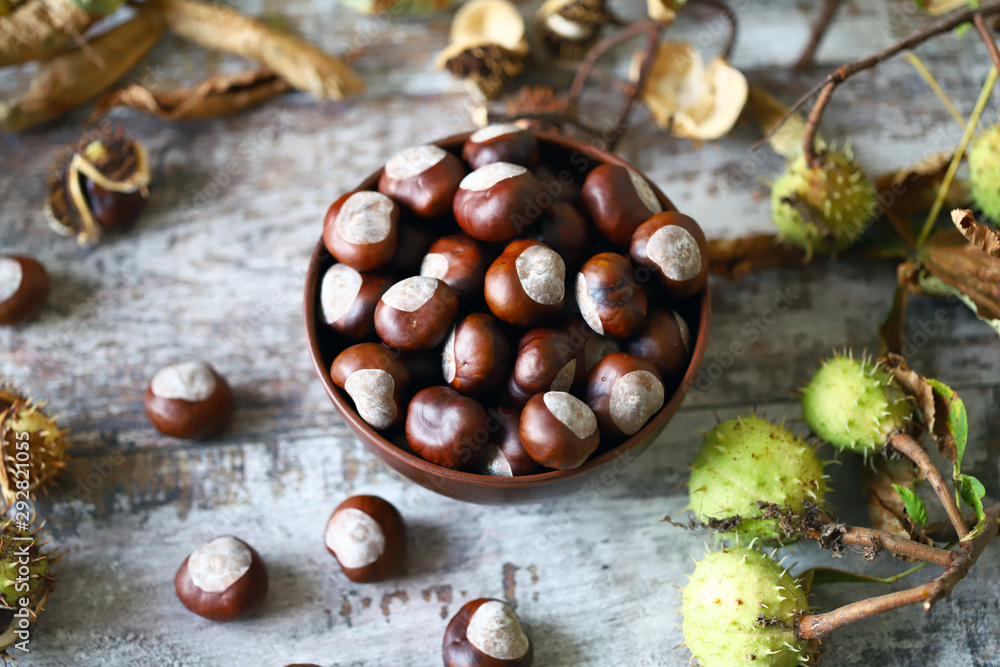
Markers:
{"x": 673, "y": 247}
{"x": 502, "y": 142}
{"x": 24, "y": 288}
{"x": 374, "y": 377}
{"x": 624, "y": 391}
{"x": 115, "y": 211}
{"x": 416, "y": 313}
{"x": 422, "y": 179}
{"x": 447, "y": 428}
{"x": 546, "y": 361}
{"x": 499, "y": 201}
{"x": 563, "y": 229}
{"x": 189, "y": 400}
{"x": 527, "y": 284}
{"x": 506, "y": 456}
{"x": 590, "y": 348}
{"x": 558, "y": 430}
{"x": 367, "y": 536}
{"x": 664, "y": 340}
{"x": 618, "y": 200}
{"x": 360, "y": 229}
{"x": 460, "y": 261}
{"x": 486, "y": 633}
{"x": 608, "y": 296}
{"x": 223, "y": 580}
{"x": 348, "y": 299}
{"x": 413, "y": 243}
{"x": 560, "y": 183}
{"x": 476, "y": 355}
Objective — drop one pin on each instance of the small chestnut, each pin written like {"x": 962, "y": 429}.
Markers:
{"x": 559, "y": 430}
{"x": 422, "y": 179}
{"x": 499, "y": 201}
{"x": 223, "y": 580}
{"x": 447, "y": 428}
{"x": 665, "y": 340}
{"x": 501, "y": 142}
{"x": 367, "y": 536}
{"x": 348, "y": 299}
{"x": 486, "y": 633}
{"x": 360, "y": 229}
{"x": 618, "y": 200}
{"x": 460, "y": 261}
{"x": 672, "y": 246}
{"x": 374, "y": 377}
{"x": 505, "y": 455}
{"x": 624, "y": 391}
{"x": 609, "y": 298}
{"x": 114, "y": 211}
{"x": 546, "y": 361}
{"x": 416, "y": 313}
{"x": 188, "y": 400}
{"x": 476, "y": 355}
{"x": 24, "y": 287}
{"x": 590, "y": 348}
{"x": 563, "y": 229}
{"x": 526, "y": 284}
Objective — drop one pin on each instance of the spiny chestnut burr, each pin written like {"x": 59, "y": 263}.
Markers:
{"x": 476, "y": 355}
{"x": 223, "y": 580}
{"x": 367, "y": 536}
{"x": 447, "y": 428}
{"x": 618, "y": 200}
{"x": 673, "y": 247}
{"x": 460, "y": 261}
{"x": 416, "y": 313}
{"x": 563, "y": 229}
{"x": 360, "y": 229}
{"x": 24, "y": 287}
{"x": 558, "y": 430}
{"x": 590, "y": 349}
{"x": 374, "y": 377}
{"x": 665, "y": 340}
{"x": 526, "y": 284}
{"x": 546, "y": 361}
{"x": 189, "y": 400}
{"x": 502, "y": 142}
{"x": 505, "y": 455}
{"x": 422, "y": 179}
{"x": 624, "y": 391}
{"x": 609, "y": 298}
{"x": 486, "y": 633}
{"x": 348, "y": 299}
{"x": 498, "y": 201}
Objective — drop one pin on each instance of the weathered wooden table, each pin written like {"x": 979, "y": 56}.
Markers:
{"x": 214, "y": 271}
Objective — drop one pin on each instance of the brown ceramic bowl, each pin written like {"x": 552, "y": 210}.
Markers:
{"x": 579, "y": 158}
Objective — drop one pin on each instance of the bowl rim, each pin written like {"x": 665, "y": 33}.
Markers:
{"x": 320, "y": 255}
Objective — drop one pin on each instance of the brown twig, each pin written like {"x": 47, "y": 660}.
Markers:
{"x": 901, "y": 546}
{"x": 591, "y": 60}
{"x": 912, "y": 450}
{"x": 818, "y": 31}
{"x": 621, "y": 120}
{"x": 991, "y": 44}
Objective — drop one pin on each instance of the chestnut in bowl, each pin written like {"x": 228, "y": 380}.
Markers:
{"x": 609, "y": 298}
{"x": 447, "y": 428}
{"x": 498, "y": 201}
{"x": 527, "y": 284}
{"x": 564, "y": 229}
{"x": 501, "y": 142}
{"x": 416, "y": 313}
{"x": 374, "y": 377}
{"x": 546, "y": 361}
{"x": 476, "y": 355}
{"x": 673, "y": 247}
{"x": 624, "y": 391}
{"x": 559, "y": 430}
{"x": 618, "y": 200}
{"x": 422, "y": 179}
{"x": 664, "y": 340}
{"x": 348, "y": 299}
{"x": 505, "y": 455}
{"x": 460, "y": 261}
{"x": 360, "y": 229}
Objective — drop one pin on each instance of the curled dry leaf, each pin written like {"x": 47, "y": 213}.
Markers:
{"x": 689, "y": 99}
{"x": 768, "y": 111}
{"x": 982, "y": 236}
{"x": 217, "y": 96}
{"x": 955, "y": 267}
{"x": 301, "y": 64}
{"x": 487, "y": 45}
{"x": 68, "y": 80}
{"x": 733, "y": 258}
{"x": 39, "y": 29}
{"x": 885, "y": 506}
{"x": 569, "y": 28}
{"x": 664, "y": 11}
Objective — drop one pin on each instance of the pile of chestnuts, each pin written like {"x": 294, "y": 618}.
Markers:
{"x": 498, "y": 313}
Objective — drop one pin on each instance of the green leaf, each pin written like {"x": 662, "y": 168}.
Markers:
{"x": 828, "y": 575}
{"x": 915, "y": 507}
{"x": 957, "y": 420}
{"x": 972, "y": 492}
{"x": 962, "y": 29}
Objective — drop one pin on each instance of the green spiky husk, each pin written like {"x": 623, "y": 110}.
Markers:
{"x": 825, "y": 208}
{"x": 724, "y": 601}
{"x": 748, "y": 460}
{"x": 854, "y": 405}
{"x": 984, "y": 172}
{"x": 35, "y": 584}
{"x": 47, "y": 443}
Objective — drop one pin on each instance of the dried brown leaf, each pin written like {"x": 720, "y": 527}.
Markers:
{"x": 217, "y": 96}
{"x": 885, "y": 507}
{"x": 39, "y": 29}
{"x": 965, "y": 270}
{"x": 769, "y": 111}
{"x": 982, "y": 236}
{"x": 734, "y": 258}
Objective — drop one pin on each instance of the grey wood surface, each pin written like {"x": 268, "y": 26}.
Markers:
{"x": 214, "y": 271}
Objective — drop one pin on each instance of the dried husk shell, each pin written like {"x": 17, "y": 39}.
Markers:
{"x": 39, "y": 29}
{"x": 487, "y": 46}
{"x": 664, "y": 11}
{"x": 570, "y": 27}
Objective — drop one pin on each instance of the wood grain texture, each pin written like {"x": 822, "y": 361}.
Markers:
{"x": 214, "y": 271}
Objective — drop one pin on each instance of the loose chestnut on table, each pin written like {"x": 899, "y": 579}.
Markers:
{"x": 189, "y": 400}
{"x": 24, "y": 288}
{"x": 558, "y": 430}
{"x": 611, "y": 301}
{"x": 348, "y": 299}
{"x": 546, "y": 361}
{"x": 618, "y": 200}
{"x": 223, "y": 580}
{"x": 506, "y": 456}
{"x": 486, "y": 633}
{"x": 501, "y": 142}
{"x": 673, "y": 247}
{"x": 665, "y": 340}
{"x": 499, "y": 201}
{"x": 460, "y": 261}
{"x": 416, "y": 313}
{"x": 367, "y": 536}
{"x": 360, "y": 229}
{"x": 476, "y": 356}
{"x": 374, "y": 377}
{"x": 423, "y": 180}
{"x": 564, "y": 229}
{"x": 447, "y": 428}
{"x": 624, "y": 391}
{"x": 526, "y": 285}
